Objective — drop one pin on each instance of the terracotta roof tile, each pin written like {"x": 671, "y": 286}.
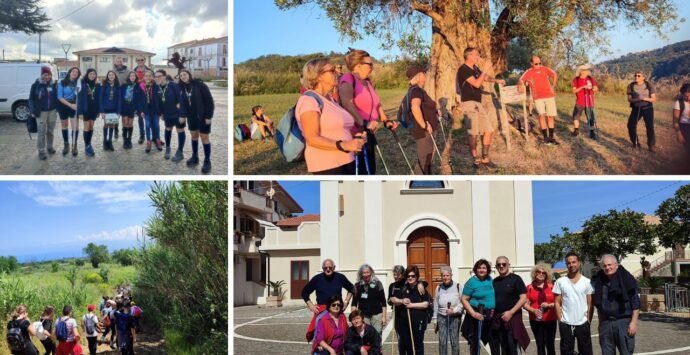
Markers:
{"x": 296, "y": 221}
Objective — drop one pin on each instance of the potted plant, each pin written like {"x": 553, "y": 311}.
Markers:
{"x": 275, "y": 293}
{"x": 651, "y": 293}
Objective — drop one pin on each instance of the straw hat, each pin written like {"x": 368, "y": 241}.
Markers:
{"x": 581, "y": 68}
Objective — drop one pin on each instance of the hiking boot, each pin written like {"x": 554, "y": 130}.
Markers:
{"x": 148, "y": 146}
{"x": 111, "y": 146}
{"x": 42, "y": 156}
{"x": 89, "y": 151}
{"x": 575, "y": 133}
{"x": 178, "y": 156}
{"x": 167, "y": 153}
{"x": 74, "y": 150}
{"x": 159, "y": 145}
{"x": 51, "y": 151}
{"x": 65, "y": 149}
{"x": 206, "y": 168}
{"x": 194, "y": 160}
{"x": 554, "y": 142}
{"x": 592, "y": 135}
{"x": 141, "y": 140}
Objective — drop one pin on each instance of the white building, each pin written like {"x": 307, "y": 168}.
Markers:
{"x": 206, "y": 57}
{"x": 387, "y": 223}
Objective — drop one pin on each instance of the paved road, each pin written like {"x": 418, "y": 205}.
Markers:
{"x": 283, "y": 333}
{"x": 19, "y": 156}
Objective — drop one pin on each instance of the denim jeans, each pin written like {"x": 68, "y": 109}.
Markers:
{"x": 613, "y": 334}
{"x": 152, "y": 127}
{"x": 448, "y": 331}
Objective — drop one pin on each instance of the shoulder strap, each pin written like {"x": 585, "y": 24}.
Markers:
{"x": 316, "y": 97}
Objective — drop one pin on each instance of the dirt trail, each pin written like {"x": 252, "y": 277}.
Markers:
{"x": 147, "y": 342}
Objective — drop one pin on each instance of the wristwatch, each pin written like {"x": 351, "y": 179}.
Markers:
{"x": 338, "y": 144}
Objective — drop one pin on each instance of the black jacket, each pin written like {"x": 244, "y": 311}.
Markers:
{"x": 196, "y": 100}
{"x": 371, "y": 338}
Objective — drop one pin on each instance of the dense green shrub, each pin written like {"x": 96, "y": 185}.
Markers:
{"x": 92, "y": 278}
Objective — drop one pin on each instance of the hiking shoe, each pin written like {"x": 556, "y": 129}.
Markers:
{"x": 42, "y": 156}
{"x": 74, "y": 150}
{"x": 575, "y": 133}
{"x": 65, "y": 149}
{"x": 206, "y": 168}
{"x": 178, "y": 156}
{"x": 167, "y": 153}
{"x": 51, "y": 151}
{"x": 141, "y": 140}
{"x": 89, "y": 151}
{"x": 148, "y": 146}
{"x": 159, "y": 145}
{"x": 554, "y": 142}
{"x": 194, "y": 160}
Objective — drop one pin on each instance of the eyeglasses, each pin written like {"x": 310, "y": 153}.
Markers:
{"x": 536, "y": 64}
{"x": 332, "y": 70}
{"x": 328, "y": 268}
{"x": 369, "y": 64}
{"x": 140, "y": 60}
{"x": 336, "y": 305}
{"x": 411, "y": 276}
{"x": 638, "y": 75}
{"x": 539, "y": 272}
{"x": 501, "y": 264}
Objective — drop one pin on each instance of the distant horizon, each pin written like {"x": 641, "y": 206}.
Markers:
{"x": 58, "y": 254}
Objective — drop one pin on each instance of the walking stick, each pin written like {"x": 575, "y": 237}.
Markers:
{"x": 382, "y": 160}
{"x": 439, "y": 154}
{"x": 448, "y": 325}
{"x": 409, "y": 323}
{"x": 393, "y": 350}
{"x": 395, "y": 136}
{"x": 445, "y": 142}
{"x": 479, "y": 331}
{"x": 440, "y": 122}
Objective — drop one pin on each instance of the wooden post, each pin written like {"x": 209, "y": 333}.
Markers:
{"x": 505, "y": 130}
{"x": 524, "y": 115}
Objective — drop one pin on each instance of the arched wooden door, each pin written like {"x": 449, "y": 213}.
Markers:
{"x": 427, "y": 248}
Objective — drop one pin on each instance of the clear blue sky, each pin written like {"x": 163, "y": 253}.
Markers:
{"x": 306, "y": 193}
{"x": 260, "y": 28}
{"x": 45, "y": 220}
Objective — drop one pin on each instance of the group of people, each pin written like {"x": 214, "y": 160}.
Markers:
{"x": 120, "y": 317}
{"x": 492, "y": 309}
{"x": 340, "y": 134}
{"x": 124, "y": 95}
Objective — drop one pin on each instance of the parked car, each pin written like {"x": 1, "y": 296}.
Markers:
{"x": 15, "y": 85}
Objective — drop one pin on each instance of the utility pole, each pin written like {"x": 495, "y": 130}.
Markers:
{"x": 65, "y": 48}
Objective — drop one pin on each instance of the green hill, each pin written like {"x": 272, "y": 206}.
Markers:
{"x": 671, "y": 61}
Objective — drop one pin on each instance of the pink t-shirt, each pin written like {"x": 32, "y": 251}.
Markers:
{"x": 538, "y": 81}
{"x": 365, "y": 98}
{"x": 335, "y": 123}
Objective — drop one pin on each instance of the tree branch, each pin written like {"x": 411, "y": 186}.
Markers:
{"x": 426, "y": 10}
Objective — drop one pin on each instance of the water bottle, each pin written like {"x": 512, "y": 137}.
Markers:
{"x": 539, "y": 314}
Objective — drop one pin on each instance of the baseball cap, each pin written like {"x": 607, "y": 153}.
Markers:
{"x": 414, "y": 70}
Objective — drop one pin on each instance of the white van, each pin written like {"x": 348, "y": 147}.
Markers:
{"x": 15, "y": 84}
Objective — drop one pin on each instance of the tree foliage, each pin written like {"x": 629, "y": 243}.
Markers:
{"x": 8, "y": 264}
{"x": 674, "y": 215}
{"x": 97, "y": 254}
{"x": 183, "y": 274}
{"x": 619, "y": 233}
{"x": 23, "y": 16}
{"x": 125, "y": 257}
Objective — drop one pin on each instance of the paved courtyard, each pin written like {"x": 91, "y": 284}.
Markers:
{"x": 281, "y": 331}
{"x": 19, "y": 156}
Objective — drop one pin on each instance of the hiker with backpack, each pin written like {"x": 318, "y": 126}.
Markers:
{"x": 361, "y": 338}
{"x": 66, "y": 332}
{"x": 326, "y": 127}
{"x": 19, "y": 332}
{"x": 358, "y": 96}
{"x": 538, "y": 78}
{"x": 641, "y": 96}
{"x": 681, "y": 120}
{"x": 479, "y": 302}
{"x": 43, "y": 105}
{"x": 470, "y": 80}
{"x": 508, "y": 331}
{"x": 89, "y": 324}
{"x": 44, "y": 330}
{"x": 418, "y": 112}
{"x": 370, "y": 298}
{"x": 264, "y": 124}
{"x": 197, "y": 106}
{"x": 137, "y": 313}
{"x": 584, "y": 88}
{"x": 448, "y": 312}
{"x": 541, "y": 306}
{"x": 124, "y": 322}
{"x": 108, "y": 315}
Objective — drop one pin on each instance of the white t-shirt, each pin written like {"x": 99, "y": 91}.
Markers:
{"x": 573, "y": 299}
{"x": 685, "y": 115}
{"x": 71, "y": 325}
{"x": 94, "y": 318}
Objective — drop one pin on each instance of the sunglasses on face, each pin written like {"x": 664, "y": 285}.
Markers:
{"x": 536, "y": 64}
{"x": 140, "y": 60}
{"x": 638, "y": 75}
{"x": 336, "y": 305}
{"x": 328, "y": 268}
{"x": 501, "y": 265}
{"x": 541, "y": 272}
{"x": 411, "y": 276}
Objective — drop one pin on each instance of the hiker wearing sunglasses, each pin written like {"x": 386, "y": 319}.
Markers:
{"x": 479, "y": 126}
{"x": 538, "y": 78}
{"x": 507, "y": 329}
{"x": 326, "y": 127}
{"x": 331, "y": 329}
{"x": 395, "y": 296}
{"x": 414, "y": 314}
{"x": 479, "y": 302}
{"x": 641, "y": 96}
{"x": 326, "y": 284}
{"x": 542, "y": 309}
{"x": 358, "y": 96}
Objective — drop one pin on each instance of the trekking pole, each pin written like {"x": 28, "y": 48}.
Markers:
{"x": 366, "y": 159}
{"x": 409, "y": 323}
{"x": 395, "y": 136}
{"x": 448, "y": 323}
{"x": 443, "y": 131}
{"x": 479, "y": 330}
{"x": 382, "y": 160}
{"x": 445, "y": 142}
{"x": 393, "y": 336}
{"x": 439, "y": 154}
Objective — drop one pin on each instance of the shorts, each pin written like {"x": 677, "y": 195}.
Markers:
{"x": 546, "y": 107}
{"x": 173, "y": 121}
{"x": 90, "y": 116}
{"x": 65, "y": 112}
{"x": 196, "y": 124}
{"x": 477, "y": 120}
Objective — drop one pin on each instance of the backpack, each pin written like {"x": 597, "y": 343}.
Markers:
{"x": 106, "y": 320}
{"x": 61, "y": 332}
{"x": 429, "y": 310}
{"x": 137, "y": 311}
{"x": 15, "y": 338}
{"x": 405, "y": 111}
{"x": 242, "y": 132}
{"x": 631, "y": 91}
{"x": 256, "y": 131}
{"x": 289, "y": 137}
{"x": 89, "y": 325}
{"x": 38, "y": 325}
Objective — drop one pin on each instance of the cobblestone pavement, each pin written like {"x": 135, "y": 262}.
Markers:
{"x": 19, "y": 156}
{"x": 281, "y": 331}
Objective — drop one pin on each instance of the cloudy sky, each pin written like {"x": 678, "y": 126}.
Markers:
{"x": 43, "y": 220}
{"x": 150, "y": 25}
